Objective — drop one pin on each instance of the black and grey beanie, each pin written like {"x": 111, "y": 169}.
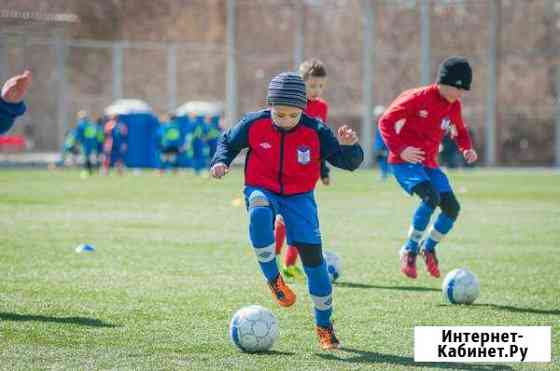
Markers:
{"x": 287, "y": 89}
{"x": 455, "y": 71}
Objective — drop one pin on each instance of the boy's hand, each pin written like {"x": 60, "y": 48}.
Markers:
{"x": 15, "y": 88}
{"x": 219, "y": 170}
{"x": 413, "y": 155}
{"x": 347, "y": 136}
{"x": 470, "y": 155}
{"x": 326, "y": 181}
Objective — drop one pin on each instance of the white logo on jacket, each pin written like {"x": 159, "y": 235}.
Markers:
{"x": 399, "y": 125}
{"x": 303, "y": 155}
{"x": 445, "y": 124}
{"x": 423, "y": 113}
{"x": 448, "y": 128}
{"x": 265, "y": 145}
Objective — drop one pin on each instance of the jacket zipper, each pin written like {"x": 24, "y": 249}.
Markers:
{"x": 283, "y": 135}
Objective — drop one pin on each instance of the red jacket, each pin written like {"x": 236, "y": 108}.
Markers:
{"x": 317, "y": 108}
{"x": 420, "y": 118}
{"x": 284, "y": 162}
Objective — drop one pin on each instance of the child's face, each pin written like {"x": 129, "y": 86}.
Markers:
{"x": 451, "y": 93}
{"x": 285, "y": 117}
{"x": 315, "y": 86}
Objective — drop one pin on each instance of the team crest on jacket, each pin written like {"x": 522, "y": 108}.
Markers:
{"x": 303, "y": 155}
{"x": 423, "y": 113}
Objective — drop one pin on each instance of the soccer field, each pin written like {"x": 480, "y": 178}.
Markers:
{"x": 173, "y": 263}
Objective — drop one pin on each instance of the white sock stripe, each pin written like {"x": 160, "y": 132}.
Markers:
{"x": 415, "y": 234}
{"x": 265, "y": 254}
{"x": 258, "y": 202}
{"x": 322, "y": 302}
{"x": 436, "y": 235}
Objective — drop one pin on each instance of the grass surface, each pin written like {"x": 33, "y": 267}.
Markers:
{"x": 173, "y": 264}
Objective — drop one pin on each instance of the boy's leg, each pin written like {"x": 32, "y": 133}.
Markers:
{"x": 290, "y": 269}
{"x": 162, "y": 161}
{"x": 444, "y": 222}
{"x": 302, "y": 229}
{"x": 175, "y": 160}
{"x": 291, "y": 256}
{"x": 430, "y": 199}
{"x": 414, "y": 180}
{"x": 261, "y": 219}
{"x": 279, "y": 234}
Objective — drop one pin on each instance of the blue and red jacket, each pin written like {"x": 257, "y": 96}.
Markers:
{"x": 8, "y": 114}
{"x": 286, "y": 162}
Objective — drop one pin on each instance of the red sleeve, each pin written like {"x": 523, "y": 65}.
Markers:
{"x": 326, "y": 113}
{"x": 463, "y": 138}
{"x": 393, "y": 120}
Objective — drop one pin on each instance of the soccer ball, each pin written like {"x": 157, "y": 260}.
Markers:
{"x": 461, "y": 286}
{"x": 253, "y": 329}
{"x": 334, "y": 265}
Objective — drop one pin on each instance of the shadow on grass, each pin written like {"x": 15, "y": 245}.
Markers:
{"x": 82, "y": 321}
{"x": 509, "y": 308}
{"x": 362, "y": 356}
{"x": 354, "y": 285}
{"x": 272, "y": 353}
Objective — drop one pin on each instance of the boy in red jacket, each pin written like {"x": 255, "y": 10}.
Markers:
{"x": 314, "y": 74}
{"x": 413, "y": 128}
{"x": 282, "y": 166}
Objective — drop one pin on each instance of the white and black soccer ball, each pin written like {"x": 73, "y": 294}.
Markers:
{"x": 461, "y": 286}
{"x": 253, "y": 329}
{"x": 334, "y": 265}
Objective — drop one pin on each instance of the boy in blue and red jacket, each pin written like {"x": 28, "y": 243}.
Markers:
{"x": 283, "y": 164}
{"x": 11, "y": 100}
{"x": 314, "y": 74}
{"x": 413, "y": 127}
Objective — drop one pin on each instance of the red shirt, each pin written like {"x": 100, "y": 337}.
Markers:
{"x": 317, "y": 108}
{"x": 420, "y": 118}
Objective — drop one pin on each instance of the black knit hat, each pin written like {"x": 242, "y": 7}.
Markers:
{"x": 287, "y": 89}
{"x": 455, "y": 71}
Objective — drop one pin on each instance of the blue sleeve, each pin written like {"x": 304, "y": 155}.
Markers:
{"x": 233, "y": 141}
{"x": 343, "y": 157}
{"x": 8, "y": 114}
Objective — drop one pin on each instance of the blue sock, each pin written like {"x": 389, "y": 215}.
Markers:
{"x": 440, "y": 228}
{"x": 320, "y": 289}
{"x": 262, "y": 238}
{"x": 420, "y": 221}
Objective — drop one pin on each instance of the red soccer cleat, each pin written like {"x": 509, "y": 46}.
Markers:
{"x": 432, "y": 263}
{"x": 408, "y": 264}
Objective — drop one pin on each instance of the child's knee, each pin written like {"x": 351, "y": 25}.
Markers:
{"x": 427, "y": 192}
{"x": 449, "y": 205}
{"x": 311, "y": 255}
{"x": 261, "y": 219}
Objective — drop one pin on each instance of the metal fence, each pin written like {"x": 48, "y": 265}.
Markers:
{"x": 372, "y": 49}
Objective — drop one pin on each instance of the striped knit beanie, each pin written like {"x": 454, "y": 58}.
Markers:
{"x": 287, "y": 89}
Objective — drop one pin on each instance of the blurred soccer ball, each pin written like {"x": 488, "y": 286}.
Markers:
{"x": 461, "y": 286}
{"x": 253, "y": 329}
{"x": 334, "y": 265}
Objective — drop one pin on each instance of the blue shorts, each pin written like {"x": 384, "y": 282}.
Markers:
{"x": 299, "y": 213}
{"x": 409, "y": 175}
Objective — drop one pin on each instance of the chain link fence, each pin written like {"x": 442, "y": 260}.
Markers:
{"x": 512, "y": 45}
